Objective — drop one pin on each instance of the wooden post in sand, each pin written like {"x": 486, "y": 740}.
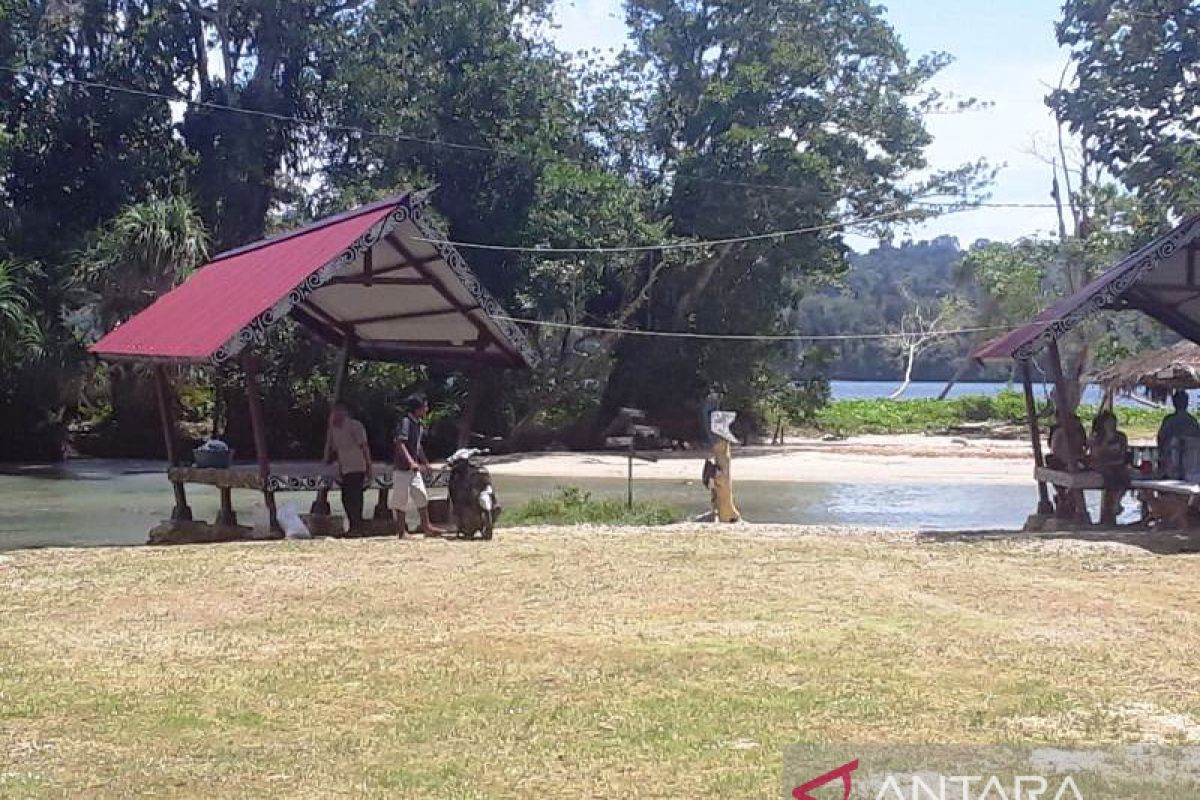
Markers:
{"x": 321, "y": 505}
{"x": 719, "y": 425}
{"x": 722, "y": 489}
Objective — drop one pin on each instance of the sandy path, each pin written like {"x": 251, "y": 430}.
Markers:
{"x": 865, "y": 459}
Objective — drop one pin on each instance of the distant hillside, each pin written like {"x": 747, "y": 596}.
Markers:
{"x": 869, "y": 299}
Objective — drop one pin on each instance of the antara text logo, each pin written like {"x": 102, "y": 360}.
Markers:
{"x": 942, "y": 787}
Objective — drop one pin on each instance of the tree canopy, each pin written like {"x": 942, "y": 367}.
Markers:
{"x": 1135, "y": 93}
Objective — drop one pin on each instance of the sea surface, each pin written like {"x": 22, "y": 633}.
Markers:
{"x": 922, "y": 390}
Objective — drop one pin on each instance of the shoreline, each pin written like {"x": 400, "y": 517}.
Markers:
{"x": 887, "y": 460}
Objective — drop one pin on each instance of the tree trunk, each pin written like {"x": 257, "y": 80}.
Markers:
{"x": 908, "y": 370}
{"x": 700, "y": 282}
{"x": 466, "y": 422}
{"x": 958, "y": 373}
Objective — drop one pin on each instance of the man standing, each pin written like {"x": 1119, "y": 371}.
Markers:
{"x": 348, "y": 446}
{"x": 408, "y": 484}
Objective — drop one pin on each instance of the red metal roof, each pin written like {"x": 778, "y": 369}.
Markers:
{"x": 195, "y": 319}
{"x": 1172, "y": 297}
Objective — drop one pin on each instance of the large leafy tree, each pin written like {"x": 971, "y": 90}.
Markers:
{"x": 818, "y": 96}
{"x": 1135, "y": 93}
{"x": 267, "y": 59}
{"x": 468, "y": 97}
{"x": 77, "y": 153}
{"x": 476, "y": 102}
{"x": 73, "y": 153}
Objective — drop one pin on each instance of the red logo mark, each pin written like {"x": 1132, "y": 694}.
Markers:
{"x": 843, "y": 772}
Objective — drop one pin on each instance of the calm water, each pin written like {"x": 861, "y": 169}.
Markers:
{"x": 114, "y": 503}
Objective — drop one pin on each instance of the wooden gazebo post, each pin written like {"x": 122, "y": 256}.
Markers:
{"x": 1060, "y": 413}
{"x": 1045, "y": 507}
{"x": 258, "y": 425}
{"x": 181, "y": 512}
{"x": 321, "y": 505}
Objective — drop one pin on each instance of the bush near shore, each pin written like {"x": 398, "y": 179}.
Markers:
{"x": 571, "y": 505}
{"x": 854, "y": 417}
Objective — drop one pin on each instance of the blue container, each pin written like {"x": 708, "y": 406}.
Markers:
{"x": 212, "y": 459}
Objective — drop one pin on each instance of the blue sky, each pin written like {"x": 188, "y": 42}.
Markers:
{"x": 1005, "y": 52}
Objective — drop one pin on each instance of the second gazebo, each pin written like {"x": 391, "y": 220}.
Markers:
{"x": 1157, "y": 372}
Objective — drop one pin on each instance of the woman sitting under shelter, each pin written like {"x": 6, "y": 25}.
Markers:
{"x": 1109, "y": 456}
{"x": 1068, "y": 443}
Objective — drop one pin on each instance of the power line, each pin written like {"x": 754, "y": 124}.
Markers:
{"x": 256, "y": 113}
{"x": 430, "y": 142}
{"x": 642, "y": 248}
{"x": 967, "y": 204}
{"x": 745, "y": 337}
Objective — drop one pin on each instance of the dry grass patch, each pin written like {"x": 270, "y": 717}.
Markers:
{"x": 580, "y": 663}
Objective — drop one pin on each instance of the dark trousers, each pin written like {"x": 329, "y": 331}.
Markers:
{"x": 352, "y": 498}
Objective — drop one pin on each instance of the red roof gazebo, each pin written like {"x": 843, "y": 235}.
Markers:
{"x": 379, "y": 282}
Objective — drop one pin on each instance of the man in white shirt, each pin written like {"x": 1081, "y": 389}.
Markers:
{"x": 411, "y": 465}
{"x": 348, "y": 447}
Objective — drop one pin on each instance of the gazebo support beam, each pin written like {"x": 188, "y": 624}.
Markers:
{"x": 420, "y": 266}
{"x": 258, "y": 425}
{"x": 162, "y": 389}
{"x": 1061, "y": 414}
{"x": 321, "y": 504}
{"x": 440, "y": 312}
{"x": 1045, "y": 507}
{"x": 379, "y": 278}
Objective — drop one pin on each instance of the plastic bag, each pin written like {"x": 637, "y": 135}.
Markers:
{"x": 289, "y": 520}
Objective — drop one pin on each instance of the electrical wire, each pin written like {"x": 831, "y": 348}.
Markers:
{"x": 430, "y": 142}
{"x": 256, "y": 113}
{"x": 642, "y": 248}
{"x": 745, "y": 337}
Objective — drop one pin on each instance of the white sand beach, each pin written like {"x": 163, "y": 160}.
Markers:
{"x": 908, "y": 459}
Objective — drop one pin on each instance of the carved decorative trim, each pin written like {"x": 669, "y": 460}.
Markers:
{"x": 408, "y": 209}
{"x": 256, "y": 330}
{"x": 497, "y": 316}
{"x": 1107, "y": 295}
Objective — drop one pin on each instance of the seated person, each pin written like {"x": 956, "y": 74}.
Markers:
{"x": 1180, "y": 425}
{"x": 1064, "y": 441}
{"x": 1109, "y": 455}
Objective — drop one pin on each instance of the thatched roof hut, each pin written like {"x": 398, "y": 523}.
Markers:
{"x": 1159, "y": 372}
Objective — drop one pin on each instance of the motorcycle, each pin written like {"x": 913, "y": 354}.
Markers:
{"x": 472, "y": 496}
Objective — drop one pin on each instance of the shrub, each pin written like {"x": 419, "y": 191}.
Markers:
{"x": 571, "y": 505}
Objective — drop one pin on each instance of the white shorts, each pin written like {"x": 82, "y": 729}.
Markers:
{"x": 408, "y": 490}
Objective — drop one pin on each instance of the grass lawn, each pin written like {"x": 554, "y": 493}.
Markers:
{"x": 571, "y": 664}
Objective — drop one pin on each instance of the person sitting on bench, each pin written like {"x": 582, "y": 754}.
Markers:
{"x": 1109, "y": 455}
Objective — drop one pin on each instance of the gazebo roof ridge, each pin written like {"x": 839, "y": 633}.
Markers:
{"x": 412, "y": 197}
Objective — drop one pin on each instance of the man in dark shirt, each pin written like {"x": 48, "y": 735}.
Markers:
{"x": 1180, "y": 425}
{"x": 408, "y": 484}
